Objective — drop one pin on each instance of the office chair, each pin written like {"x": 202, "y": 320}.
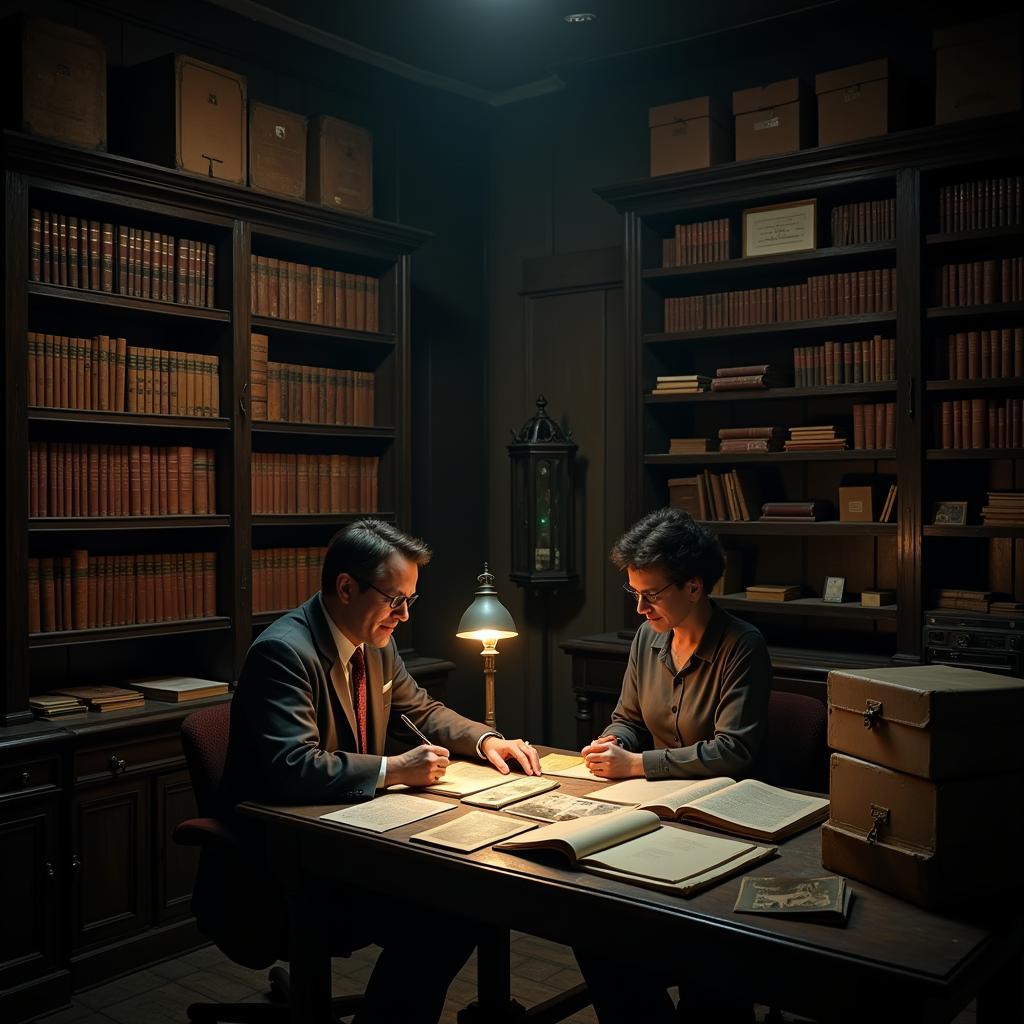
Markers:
{"x": 236, "y": 904}
{"x": 794, "y": 752}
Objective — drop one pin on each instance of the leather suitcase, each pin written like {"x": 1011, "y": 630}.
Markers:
{"x": 933, "y": 843}
{"x": 340, "y": 166}
{"x": 277, "y": 151}
{"x": 57, "y": 82}
{"x": 186, "y": 114}
{"x": 934, "y": 721}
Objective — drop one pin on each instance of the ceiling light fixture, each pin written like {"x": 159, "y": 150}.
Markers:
{"x": 580, "y": 18}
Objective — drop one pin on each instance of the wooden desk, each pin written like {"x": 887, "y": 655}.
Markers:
{"x": 893, "y": 961}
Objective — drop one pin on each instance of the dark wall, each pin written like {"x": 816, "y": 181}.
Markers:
{"x": 548, "y": 156}
{"x": 430, "y": 158}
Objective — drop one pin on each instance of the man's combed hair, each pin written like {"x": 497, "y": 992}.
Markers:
{"x": 671, "y": 539}
{"x": 362, "y": 548}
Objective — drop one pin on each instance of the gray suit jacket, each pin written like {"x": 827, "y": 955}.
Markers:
{"x": 293, "y": 732}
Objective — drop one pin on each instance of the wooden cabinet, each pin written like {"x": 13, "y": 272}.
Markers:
{"x": 868, "y": 281}
{"x": 33, "y": 975}
{"x": 175, "y": 865}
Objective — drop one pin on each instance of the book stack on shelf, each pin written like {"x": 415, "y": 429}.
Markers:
{"x": 313, "y": 394}
{"x": 283, "y": 483}
{"x": 284, "y": 577}
{"x": 981, "y": 204}
{"x": 282, "y": 289}
{"x": 681, "y": 384}
{"x": 691, "y": 445}
{"x": 54, "y": 706}
{"x": 706, "y": 241}
{"x": 982, "y": 423}
{"x": 178, "y": 689}
{"x": 872, "y": 361}
{"x": 981, "y": 282}
{"x": 816, "y": 439}
{"x": 103, "y": 698}
{"x": 751, "y": 439}
{"x": 1003, "y": 508}
{"x": 961, "y": 600}
{"x": 82, "y": 591}
{"x": 985, "y": 354}
{"x": 120, "y": 480}
{"x": 794, "y": 511}
{"x": 858, "y": 223}
{"x": 775, "y": 592}
{"x": 874, "y": 425}
{"x": 747, "y": 378}
{"x": 79, "y": 253}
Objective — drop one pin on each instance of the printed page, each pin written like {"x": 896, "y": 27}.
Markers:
{"x": 671, "y": 793}
{"x": 567, "y": 766}
{"x": 386, "y": 812}
{"x": 669, "y": 854}
{"x": 756, "y": 805}
{"x": 519, "y": 789}
{"x": 472, "y": 831}
{"x": 560, "y": 807}
{"x": 464, "y": 777}
{"x": 585, "y": 836}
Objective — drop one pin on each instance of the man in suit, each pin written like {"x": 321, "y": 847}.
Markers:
{"x": 320, "y": 690}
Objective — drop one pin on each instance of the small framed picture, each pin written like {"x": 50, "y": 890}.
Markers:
{"x": 950, "y": 513}
{"x": 833, "y": 589}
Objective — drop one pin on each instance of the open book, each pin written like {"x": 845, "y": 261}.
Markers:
{"x": 748, "y": 808}
{"x": 633, "y": 846}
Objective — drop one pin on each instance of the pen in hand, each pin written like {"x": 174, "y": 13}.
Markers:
{"x": 408, "y": 722}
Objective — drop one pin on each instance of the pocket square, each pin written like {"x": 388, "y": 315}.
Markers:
{"x": 386, "y": 686}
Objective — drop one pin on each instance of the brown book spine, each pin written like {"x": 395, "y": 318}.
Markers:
{"x": 35, "y": 249}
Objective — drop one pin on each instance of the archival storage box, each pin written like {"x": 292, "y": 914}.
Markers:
{"x": 853, "y": 102}
{"x": 977, "y": 68}
{"x": 340, "y": 166}
{"x": 770, "y": 119}
{"x": 925, "y": 841}
{"x": 687, "y": 135}
{"x": 56, "y": 81}
{"x": 934, "y": 721}
{"x": 184, "y": 113}
{"x": 277, "y": 151}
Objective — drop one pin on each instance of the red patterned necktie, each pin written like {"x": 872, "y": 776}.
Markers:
{"x": 358, "y": 681}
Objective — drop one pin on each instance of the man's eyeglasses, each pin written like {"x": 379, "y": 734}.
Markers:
{"x": 650, "y": 596}
{"x": 393, "y": 602}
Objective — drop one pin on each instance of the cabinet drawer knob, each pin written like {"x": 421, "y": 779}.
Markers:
{"x": 117, "y": 764}
{"x": 23, "y": 778}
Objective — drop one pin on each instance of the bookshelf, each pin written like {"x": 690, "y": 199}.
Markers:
{"x": 920, "y": 174}
{"x": 88, "y": 807}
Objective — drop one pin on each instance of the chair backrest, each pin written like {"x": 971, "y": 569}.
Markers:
{"x": 204, "y": 738}
{"x": 794, "y": 752}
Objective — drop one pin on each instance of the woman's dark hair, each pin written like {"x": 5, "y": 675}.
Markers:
{"x": 672, "y": 539}
{"x": 362, "y": 548}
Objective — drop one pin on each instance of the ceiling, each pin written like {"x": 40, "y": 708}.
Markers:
{"x": 500, "y": 48}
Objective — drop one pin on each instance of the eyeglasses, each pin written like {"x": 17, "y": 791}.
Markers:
{"x": 393, "y": 602}
{"x": 650, "y": 596}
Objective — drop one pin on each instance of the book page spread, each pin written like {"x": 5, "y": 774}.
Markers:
{"x": 582, "y": 837}
{"x": 386, "y": 812}
{"x": 671, "y": 793}
{"x": 472, "y": 831}
{"x": 462, "y": 778}
{"x": 755, "y": 805}
{"x": 669, "y": 854}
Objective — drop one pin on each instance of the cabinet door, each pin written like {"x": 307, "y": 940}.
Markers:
{"x": 28, "y": 889}
{"x": 176, "y": 864}
{"x": 110, "y": 861}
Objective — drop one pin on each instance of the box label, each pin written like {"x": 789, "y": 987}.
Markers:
{"x": 768, "y": 122}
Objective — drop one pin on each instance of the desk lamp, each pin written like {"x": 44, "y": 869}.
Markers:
{"x": 488, "y": 621}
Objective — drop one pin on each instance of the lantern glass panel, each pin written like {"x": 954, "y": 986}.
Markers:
{"x": 543, "y": 547}
{"x": 520, "y": 516}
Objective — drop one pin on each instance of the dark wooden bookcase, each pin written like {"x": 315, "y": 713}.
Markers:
{"x": 87, "y": 807}
{"x": 910, "y": 556}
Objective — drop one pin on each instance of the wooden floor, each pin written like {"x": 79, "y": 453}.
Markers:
{"x": 160, "y": 994}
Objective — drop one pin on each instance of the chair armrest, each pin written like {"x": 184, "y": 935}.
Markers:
{"x": 207, "y": 831}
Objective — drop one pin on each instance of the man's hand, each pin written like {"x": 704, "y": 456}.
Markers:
{"x": 607, "y": 760}
{"x": 498, "y": 751}
{"x": 421, "y": 766}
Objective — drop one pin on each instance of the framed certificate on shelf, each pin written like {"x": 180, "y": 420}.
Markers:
{"x": 783, "y": 227}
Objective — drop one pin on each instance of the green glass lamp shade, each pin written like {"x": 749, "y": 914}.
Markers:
{"x": 486, "y": 618}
